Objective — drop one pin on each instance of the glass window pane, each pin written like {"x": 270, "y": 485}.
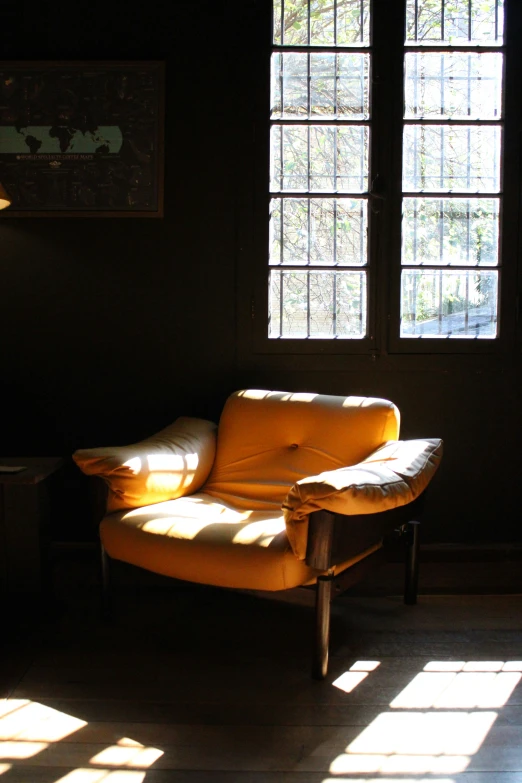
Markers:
{"x": 319, "y": 158}
{"x": 351, "y": 304}
{"x": 323, "y": 84}
{"x": 339, "y": 85}
{"x": 274, "y": 234}
{"x": 322, "y": 232}
{"x": 322, "y": 23}
{"x": 352, "y": 159}
{"x": 450, "y": 231}
{"x": 449, "y": 303}
{"x": 353, "y": 85}
{"x": 352, "y": 232}
{"x": 295, "y": 24}
{"x": 458, "y": 158}
{"x": 322, "y": 304}
{"x": 289, "y": 157}
{"x": 324, "y": 154}
{"x": 459, "y": 85}
{"x": 317, "y": 304}
{"x": 330, "y": 232}
{"x": 487, "y": 21}
{"x": 277, "y": 7}
{"x": 276, "y": 80}
{"x": 289, "y": 231}
{"x": 293, "y": 78}
{"x": 288, "y": 315}
{"x": 353, "y": 22}
{"x": 458, "y": 22}
{"x": 351, "y": 27}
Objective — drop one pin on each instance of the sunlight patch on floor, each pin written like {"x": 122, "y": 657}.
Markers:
{"x": 35, "y": 722}
{"x": 129, "y": 753}
{"x": 28, "y": 728}
{"x": 21, "y": 750}
{"x": 421, "y": 735}
{"x": 85, "y": 775}
{"x": 355, "y": 675}
{"x": 396, "y": 764}
{"x": 464, "y": 690}
{"x": 389, "y": 780}
{"x": 416, "y": 743}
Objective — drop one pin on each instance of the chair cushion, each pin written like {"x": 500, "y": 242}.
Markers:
{"x": 267, "y": 441}
{"x": 392, "y": 476}
{"x": 171, "y": 463}
{"x": 201, "y": 539}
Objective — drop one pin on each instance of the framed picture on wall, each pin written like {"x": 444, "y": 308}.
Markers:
{"x": 82, "y": 139}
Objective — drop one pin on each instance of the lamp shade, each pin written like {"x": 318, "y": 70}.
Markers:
{"x": 4, "y": 197}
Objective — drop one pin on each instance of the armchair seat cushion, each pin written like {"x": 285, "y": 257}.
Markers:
{"x": 202, "y": 539}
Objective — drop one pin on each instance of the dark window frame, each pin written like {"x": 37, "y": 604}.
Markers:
{"x": 384, "y": 225}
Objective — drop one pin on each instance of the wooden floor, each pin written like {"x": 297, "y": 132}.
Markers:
{"x": 208, "y": 686}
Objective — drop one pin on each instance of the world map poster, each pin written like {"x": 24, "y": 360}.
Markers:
{"x": 82, "y": 139}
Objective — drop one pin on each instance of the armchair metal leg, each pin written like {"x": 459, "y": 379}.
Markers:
{"x": 106, "y": 584}
{"x": 412, "y": 564}
{"x": 322, "y": 626}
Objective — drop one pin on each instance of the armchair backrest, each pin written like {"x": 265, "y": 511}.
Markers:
{"x": 268, "y": 440}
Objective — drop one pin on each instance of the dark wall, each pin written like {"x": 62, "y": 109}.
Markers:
{"x": 113, "y": 327}
{"x": 116, "y": 325}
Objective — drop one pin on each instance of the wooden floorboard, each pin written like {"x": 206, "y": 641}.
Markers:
{"x": 54, "y": 774}
{"x": 208, "y": 686}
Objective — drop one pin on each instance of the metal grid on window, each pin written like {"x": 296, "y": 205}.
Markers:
{"x": 454, "y": 22}
{"x": 452, "y": 148}
{"x": 319, "y": 150}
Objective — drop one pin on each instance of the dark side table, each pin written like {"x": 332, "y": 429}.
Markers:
{"x": 24, "y": 524}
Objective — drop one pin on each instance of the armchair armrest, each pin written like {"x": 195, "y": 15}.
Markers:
{"x": 175, "y": 461}
{"x": 392, "y": 476}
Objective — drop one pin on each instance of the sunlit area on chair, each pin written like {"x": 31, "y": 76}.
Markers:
{"x": 356, "y": 402}
{"x": 421, "y": 735}
{"x": 191, "y": 520}
{"x": 176, "y": 527}
{"x": 187, "y": 517}
{"x": 262, "y": 532}
{"x": 165, "y": 472}
{"x": 29, "y": 728}
{"x": 299, "y": 397}
{"x": 255, "y": 394}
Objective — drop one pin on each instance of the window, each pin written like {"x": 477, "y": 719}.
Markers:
{"x": 387, "y": 184}
{"x": 451, "y": 168}
{"x": 319, "y": 168}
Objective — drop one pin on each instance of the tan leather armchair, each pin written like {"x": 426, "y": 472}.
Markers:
{"x": 290, "y": 489}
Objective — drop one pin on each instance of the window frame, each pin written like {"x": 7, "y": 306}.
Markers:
{"x": 387, "y": 50}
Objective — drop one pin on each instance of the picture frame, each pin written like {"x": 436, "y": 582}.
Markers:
{"x": 82, "y": 139}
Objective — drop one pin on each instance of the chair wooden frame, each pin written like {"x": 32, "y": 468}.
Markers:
{"x": 323, "y": 554}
